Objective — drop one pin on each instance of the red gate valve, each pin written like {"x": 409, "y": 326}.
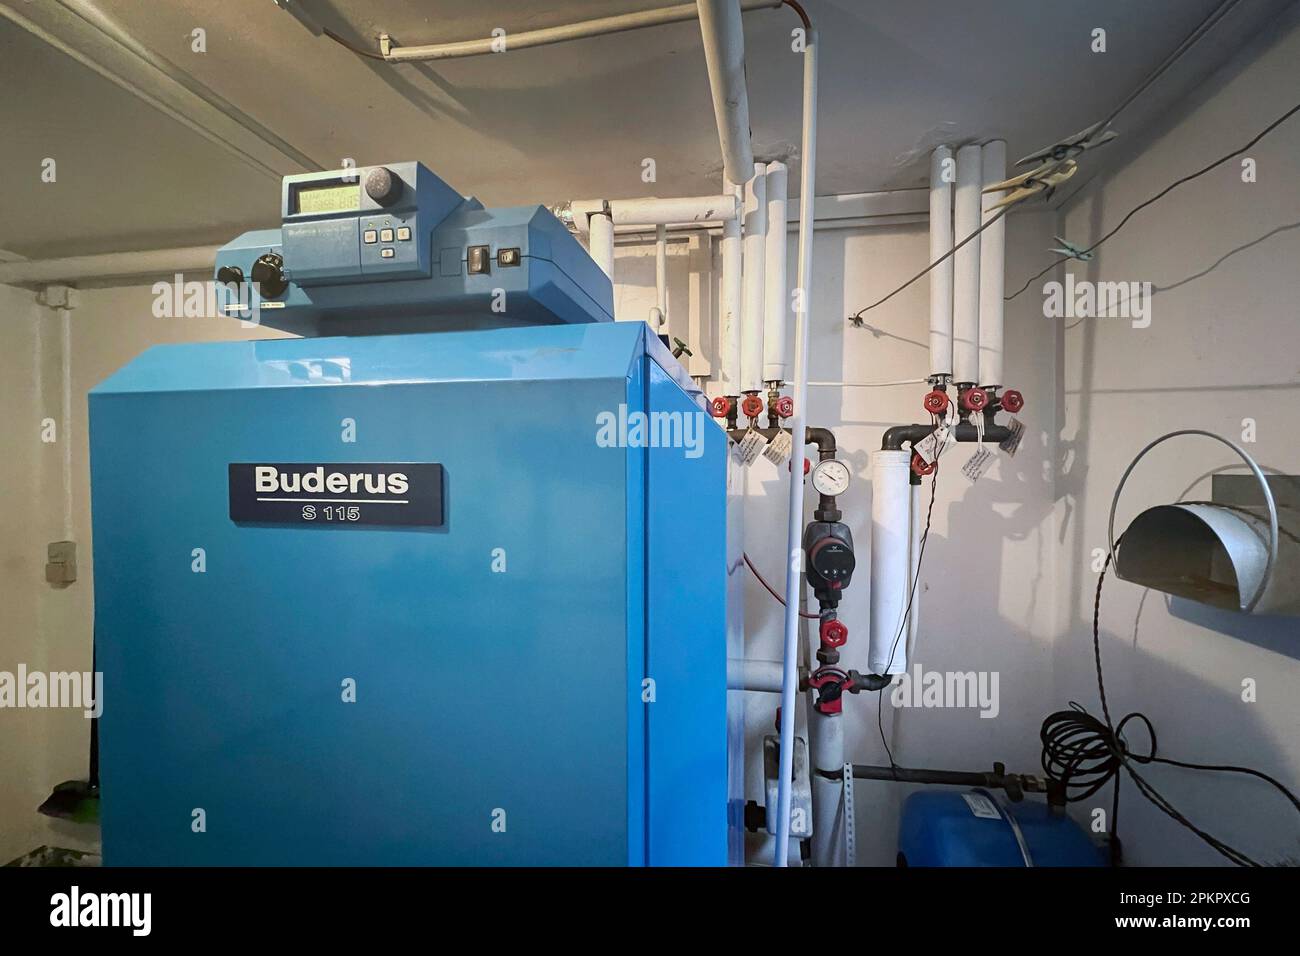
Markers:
{"x": 834, "y": 633}
{"x": 721, "y": 407}
{"x": 1012, "y": 400}
{"x": 830, "y": 684}
{"x": 752, "y": 406}
{"x": 936, "y": 402}
{"x": 973, "y": 399}
{"x": 783, "y": 406}
{"x": 920, "y": 466}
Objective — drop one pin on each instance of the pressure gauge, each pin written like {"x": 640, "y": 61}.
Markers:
{"x": 831, "y": 477}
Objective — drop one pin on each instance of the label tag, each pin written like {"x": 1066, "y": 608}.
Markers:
{"x": 779, "y": 448}
{"x": 981, "y": 806}
{"x": 1011, "y": 444}
{"x": 978, "y": 464}
{"x": 750, "y": 447}
{"x": 346, "y": 494}
{"x": 932, "y": 445}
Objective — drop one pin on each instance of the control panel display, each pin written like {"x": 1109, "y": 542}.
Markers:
{"x": 333, "y": 197}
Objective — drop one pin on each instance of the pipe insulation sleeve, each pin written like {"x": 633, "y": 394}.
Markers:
{"x": 600, "y": 242}
{"x": 775, "y": 303}
{"x": 941, "y": 242}
{"x": 966, "y": 268}
{"x": 732, "y": 298}
{"x": 724, "y": 55}
{"x": 751, "y": 341}
{"x": 891, "y": 533}
{"x": 993, "y": 250}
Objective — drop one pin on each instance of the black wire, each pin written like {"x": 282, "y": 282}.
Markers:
{"x": 907, "y": 614}
{"x": 1084, "y": 753}
{"x": 1160, "y": 195}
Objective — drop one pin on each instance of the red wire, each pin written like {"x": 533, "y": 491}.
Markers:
{"x": 771, "y": 591}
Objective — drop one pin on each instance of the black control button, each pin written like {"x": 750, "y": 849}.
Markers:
{"x": 382, "y": 186}
{"x": 268, "y": 274}
{"x": 230, "y": 275}
{"x": 478, "y": 260}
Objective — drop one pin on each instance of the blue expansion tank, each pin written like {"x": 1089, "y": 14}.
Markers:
{"x": 447, "y": 597}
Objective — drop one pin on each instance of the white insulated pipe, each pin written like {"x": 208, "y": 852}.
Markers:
{"x": 600, "y": 241}
{"x": 966, "y": 268}
{"x": 731, "y": 294}
{"x": 724, "y": 54}
{"x": 755, "y": 240}
{"x": 914, "y": 565}
{"x": 794, "y": 580}
{"x": 775, "y": 301}
{"x": 527, "y": 39}
{"x": 109, "y": 265}
{"x": 751, "y": 674}
{"x": 993, "y": 253}
{"x": 941, "y": 243}
{"x": 826, "y": 750}
{"x": 673, "y": 211}
{"x": 891, "y": 534}
{"x": 661, "y": 279}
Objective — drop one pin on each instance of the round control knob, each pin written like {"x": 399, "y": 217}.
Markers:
{"x": 936, "y": 402}
{"x": 721, "y": 407}
{"x": 973, "y": 399}
{"x": 834, "y": 633}
{"x": 230, "y": 275}
{"x": 382, "y": 186}
{"x": 784, "y": 406}
{"x": 920, "y": 466}
{"x": 268, "y": 275}
{"x": 752, "y": 406}
{"x": 1012, "y": 400}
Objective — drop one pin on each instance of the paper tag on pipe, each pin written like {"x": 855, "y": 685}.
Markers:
{"x": 978, "y": 464}
{"x": 779, "y": 448}
{"x": 932, "y": 445}
{"x": 750, "y": 447}
{"x": 1011, "y": 444}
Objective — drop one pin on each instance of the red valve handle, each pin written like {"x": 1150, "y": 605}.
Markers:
{"x": 752, "y": 406}
{"x": 973, "y": 399}
{"x": 834, "y": 633}
{"x": 936, "y": 402}
{"x": 721, "y": 407}
{"x": 920, "y": 465}
{"x": 784, "y": 406}
{"x": 807, "y": 466}
{"x": 1012, "y": 400}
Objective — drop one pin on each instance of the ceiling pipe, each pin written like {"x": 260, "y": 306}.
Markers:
{"x": 724, "y": 53}
{"x": 775, "y": 300}
{"x": 993, "y": 251}
{"x": 966, "y": 268}
{"x": 112, "y": 265}
{"x": 732, "y": 295}
{"x": 527, "y": 39}
{"x": 755, "y": 283}
{"x": 942, "y": 167}
{"x": 652, "y": 212}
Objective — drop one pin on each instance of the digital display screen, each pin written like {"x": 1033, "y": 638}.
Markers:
{"x": 334, "y": 197}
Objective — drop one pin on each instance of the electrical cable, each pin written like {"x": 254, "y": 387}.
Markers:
{"x": 1158, "y": 196}
{"x": 772, "y": 591}
{"x": 348, "y": 46}
{"x": 1084, "y": 753}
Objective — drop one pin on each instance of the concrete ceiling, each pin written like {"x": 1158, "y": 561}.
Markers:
{"x": 568, "y": 121}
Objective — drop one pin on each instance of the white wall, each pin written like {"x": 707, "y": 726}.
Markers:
{"x": 1223, "y": 347}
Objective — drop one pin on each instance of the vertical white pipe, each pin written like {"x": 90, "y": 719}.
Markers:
{"x": 751, "y": 342}
{"x": 914, "y": 565}
{"x": 794, "y": 529}
{"x": 774, "y": 296}
{"x": 993, "y": 250}
{"x": 661, "y": 278}
{"x": 731, "y": 295}
{"x": 891, "y": 533}
{"x": 941, "y": 180}
{"x": 724, "y": 55}
{"x": 826, "y": 751}
{"x": 600, "y": 241}
{"x": 966, "y": 268}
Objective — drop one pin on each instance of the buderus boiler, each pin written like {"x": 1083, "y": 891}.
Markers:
{"x": 442, "y": 581}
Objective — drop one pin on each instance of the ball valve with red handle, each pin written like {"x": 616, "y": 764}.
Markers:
{"x": 720, "y": 407}
{"x": 834, "y": 633}
{"x": 973, "y": 399}
{"x": 936, "y": 402}
{"x": 1012, "y": 400}
{"x": 752, "y": 406}
{"x": 830, "y": 684}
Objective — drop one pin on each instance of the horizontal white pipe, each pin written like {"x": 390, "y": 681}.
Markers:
{"x": 600, "y": 242}
{"x": 559, "y": 34}
{"x": 658, "y": 212}
{"x": 732, "y": 303}
{"x": 966, "y": 268}
{"x": 775, "y": 301}
{"x": 754, "y": 675}
{"x": 993, "y": 251}
{"x": 891, "y": 532}
{"x": 941, "y": 180}
{"x": 110, "y": 265}
{"x": 901, "y": 381}
{"x": 755, "y": 239}
{"x": 724, "y": 55}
